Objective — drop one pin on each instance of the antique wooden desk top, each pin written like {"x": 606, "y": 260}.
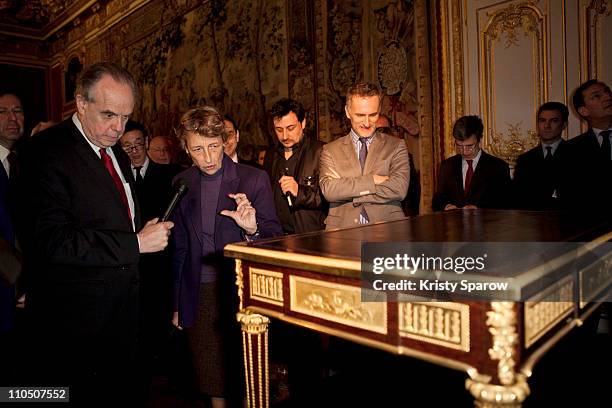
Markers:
{"x": 313, "y": 280}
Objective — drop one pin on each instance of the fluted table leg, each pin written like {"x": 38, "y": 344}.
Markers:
{"x": 255, "y": 353}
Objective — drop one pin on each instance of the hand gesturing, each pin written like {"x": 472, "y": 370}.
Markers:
{"x": 244, "y": 214}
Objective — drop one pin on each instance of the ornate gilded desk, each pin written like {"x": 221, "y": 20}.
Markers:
{"x": 313, "y": 280}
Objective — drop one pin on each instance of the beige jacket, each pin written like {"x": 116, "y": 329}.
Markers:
{"x": 347, "y": 189}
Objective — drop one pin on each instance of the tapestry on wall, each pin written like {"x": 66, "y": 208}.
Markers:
{"x": 228, "y": 54}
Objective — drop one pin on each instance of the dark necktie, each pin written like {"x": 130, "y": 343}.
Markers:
{"x": 468, "y": 176}
{"x": 548, "y": 156}
{"x": 108, "y": 163}
{"x": 13, "y": 167}
{"x": 605, "y": 144}
{"x": 138, "y": 175}
{"x": 363, "y": 154}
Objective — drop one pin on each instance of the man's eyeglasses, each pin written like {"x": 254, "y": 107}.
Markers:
{"x": 465, "y": 147}
{"x": 130, "y": 148}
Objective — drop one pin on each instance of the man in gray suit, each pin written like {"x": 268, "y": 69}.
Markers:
{"x": 364, "y": 175}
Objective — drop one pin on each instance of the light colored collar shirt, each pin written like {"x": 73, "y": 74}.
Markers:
{"x": 143, "y": 169}
{"x": 357, "y": 144}
{"x": 600, "y": 136}
{"x": 4, "y": 152}
{"x": 554, "y": 146}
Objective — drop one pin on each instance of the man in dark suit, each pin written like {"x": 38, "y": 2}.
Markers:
{"x": 231, "y": 145}
{"x": 153, "y": 183}
{"x": 84, "y": 294}
{"x": 293, "y": 167}
{"x": 588, "y": 165}
{"x": 205, "y": 297}
{"x": 538, "y": 172}
{"x": 11, "y": 130}
{"x": 473, "y": 178}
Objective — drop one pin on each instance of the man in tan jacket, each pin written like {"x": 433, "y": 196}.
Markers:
{"x": 364, "y": 175}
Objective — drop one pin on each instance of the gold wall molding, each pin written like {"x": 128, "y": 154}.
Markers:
{"x": 595, "y": 12}
{"x": 510, "y": 22}
{"x": 550, "y": 308}
{"x": 442, "y": 323}
{"x": 513, "y": 142}
{"x": 457, "y": 56}
{"x": 429, "y": 138}
{"x": 266, "y": 286}
{"x": 337, "y": 303}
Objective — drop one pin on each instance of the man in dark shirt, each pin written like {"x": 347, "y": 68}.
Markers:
{"x": 537, "y": 172}
{"x": 293, "y": 167}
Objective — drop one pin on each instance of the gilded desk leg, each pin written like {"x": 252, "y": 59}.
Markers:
{"x": 255, "y": 353}
{"x": 512, "y": 387}
{"x": 498, "y": 396}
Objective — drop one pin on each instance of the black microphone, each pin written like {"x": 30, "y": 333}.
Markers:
{"x": 180, "y": 188}
{"x": 288, "y": 194}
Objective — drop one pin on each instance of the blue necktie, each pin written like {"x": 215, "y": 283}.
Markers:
{"x": 363, "y": 154}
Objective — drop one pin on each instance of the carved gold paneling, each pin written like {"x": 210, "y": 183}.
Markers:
{"x": 513, "y": 142}
{"x": 550, "y": 308}
{"x": 594, "y": 279}
{"x": 442, "y": 323}
{"x": 596, "y": 20}
{"x": 337, "y": 303}
{"x": 518, "y": 30}
{"x": 457, "y": 58}
{"x": 266, "y": 286}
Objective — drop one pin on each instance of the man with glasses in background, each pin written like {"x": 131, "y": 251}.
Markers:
{"x": 472, "y": 178}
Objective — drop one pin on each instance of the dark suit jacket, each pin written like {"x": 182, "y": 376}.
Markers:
{"x": 535, "y": 180}
{"x": 491, "y": 184}
{"x": 251, "y": 163}
{"x": 85, "y": 285}
{"x": 586, "y": 175}
{"x": 309, "y": 207}
{"x": 156, "y": 190}
{"x": 187, "y": 256}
